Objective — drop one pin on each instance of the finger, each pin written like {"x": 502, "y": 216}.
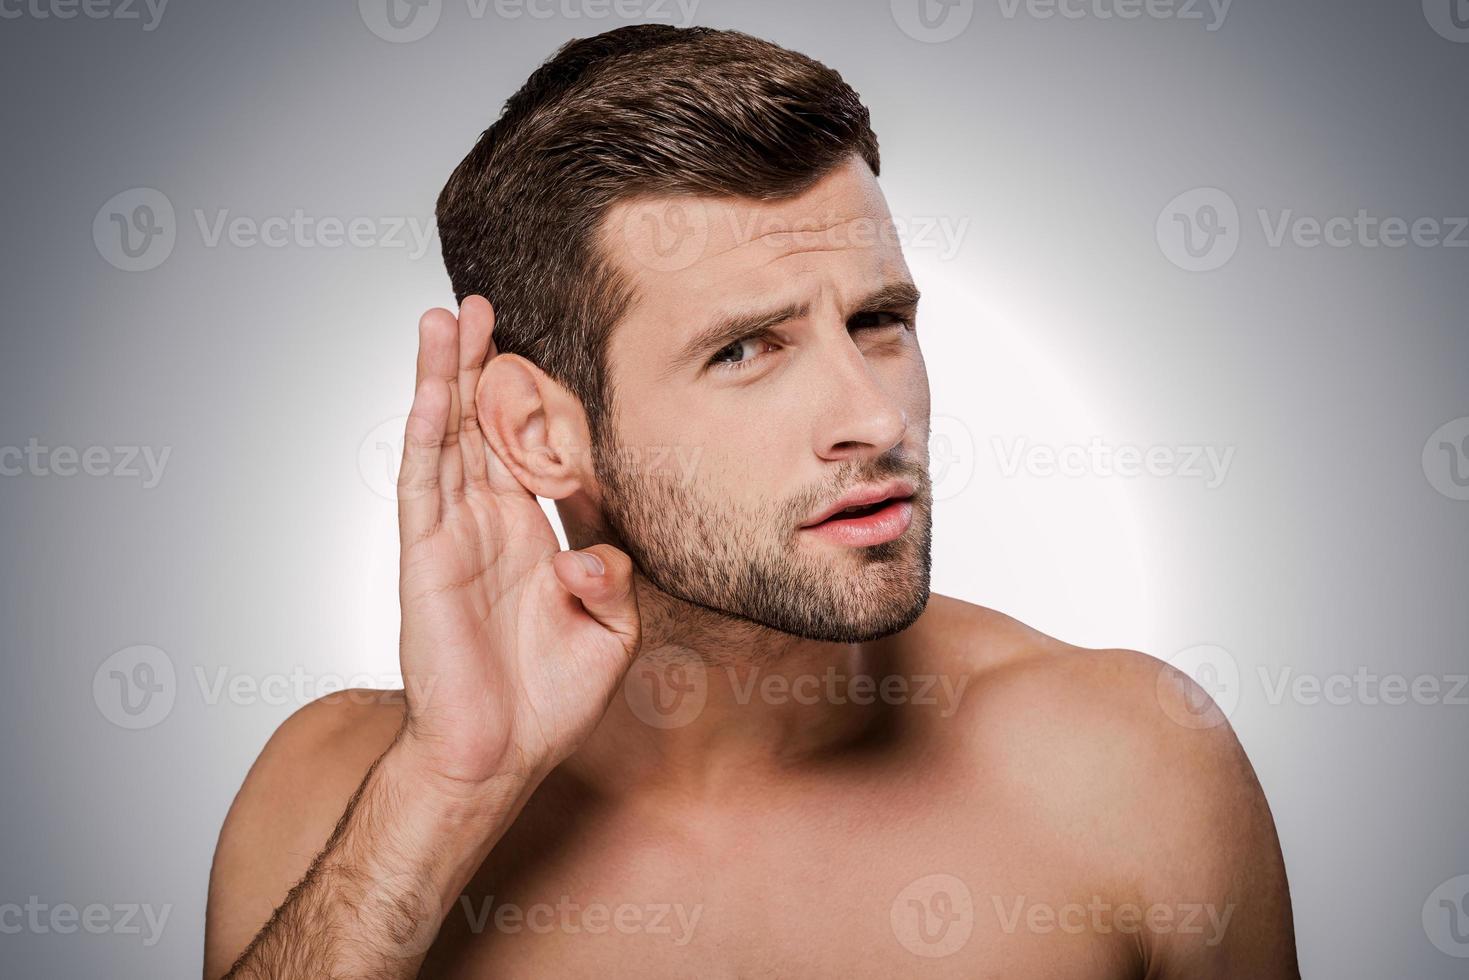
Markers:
{"x": 436, "y": 328}
{"x": 607, "y": 595}
{"x": 476, "y": 322}
{"x": 418, "y": 478}
{"x": 438, "y": 357}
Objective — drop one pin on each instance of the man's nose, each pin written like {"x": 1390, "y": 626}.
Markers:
{"x": 858, "y": 415}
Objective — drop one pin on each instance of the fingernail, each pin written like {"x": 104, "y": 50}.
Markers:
{"x": 590, "y": 562}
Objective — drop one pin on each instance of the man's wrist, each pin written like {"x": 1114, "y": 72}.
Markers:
{"x": 419, "y": 784}
{"x": 411, "y": 834}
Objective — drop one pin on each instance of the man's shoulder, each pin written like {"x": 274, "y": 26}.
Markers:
{"x": 1125, "y": 772}
{"x": 1007, "y": 661}
{"x": 287, "y": 808}
{"x": 1086, "y": 727}
{"x": 311, "y": 766}
{"x": 325, "y": 748}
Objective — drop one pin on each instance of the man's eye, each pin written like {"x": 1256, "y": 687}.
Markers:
{"x": 742, "y": 353}
{"x": 732, "y": 357}
{"x": 877, "y": 320}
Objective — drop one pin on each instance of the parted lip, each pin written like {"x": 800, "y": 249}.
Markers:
{"x": 896, "y": 490}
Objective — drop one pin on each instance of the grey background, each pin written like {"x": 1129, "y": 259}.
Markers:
{"x": 1056, "y": 143}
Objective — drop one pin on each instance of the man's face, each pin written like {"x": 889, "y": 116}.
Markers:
{"x": 725, "y": 442}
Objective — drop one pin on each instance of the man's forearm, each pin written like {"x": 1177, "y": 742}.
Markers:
{"x": 373, "y": 900}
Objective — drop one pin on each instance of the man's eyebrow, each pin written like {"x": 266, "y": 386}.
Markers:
{"x": 900, "y": 295}
{"x": 728, "y": 329}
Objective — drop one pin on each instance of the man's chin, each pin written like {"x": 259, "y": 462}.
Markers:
{"x": 866, "y": 632}
{"x": 839, "y": 621}
{"x": 837, "y": 625}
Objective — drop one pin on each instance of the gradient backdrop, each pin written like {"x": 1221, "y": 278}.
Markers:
{"x": 1177, "y": 406}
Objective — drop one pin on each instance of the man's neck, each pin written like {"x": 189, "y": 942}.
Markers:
{"x": 715, "y": 701}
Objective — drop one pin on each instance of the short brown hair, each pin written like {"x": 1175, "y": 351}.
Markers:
{"x": 647, "y": 109}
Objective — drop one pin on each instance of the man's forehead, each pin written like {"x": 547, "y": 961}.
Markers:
{"x": 655, "y": 237}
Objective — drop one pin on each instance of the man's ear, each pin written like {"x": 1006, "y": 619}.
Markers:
{"x": 535, "y": 426}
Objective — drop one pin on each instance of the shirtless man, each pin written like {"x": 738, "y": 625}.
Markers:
{"x": 727, "y": 735}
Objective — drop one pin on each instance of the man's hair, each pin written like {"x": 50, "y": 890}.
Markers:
{"x": 638, "y": 111}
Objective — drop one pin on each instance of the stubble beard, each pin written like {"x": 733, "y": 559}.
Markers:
{"x": 750, "y": 564}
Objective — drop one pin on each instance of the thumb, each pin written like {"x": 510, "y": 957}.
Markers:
{"x": 602, "y": 578}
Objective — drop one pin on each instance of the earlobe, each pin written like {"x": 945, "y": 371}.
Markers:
{"x": 519, "y": 411}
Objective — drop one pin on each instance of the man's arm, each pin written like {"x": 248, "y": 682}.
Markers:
{"x": 371, "y": 901}
{"x": 1218, "y": 867}
{"x": 511, "y": 651}
{"x": 284, "y": 814}
{"x": 1132, "y": 763}
{"x": 1178, "y": 815}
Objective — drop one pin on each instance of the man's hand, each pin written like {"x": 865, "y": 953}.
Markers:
{"x": 510, "y": 651}
{"x": 511, "y": 654}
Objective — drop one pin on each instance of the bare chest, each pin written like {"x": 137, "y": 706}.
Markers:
{"x": 857, "y": 893}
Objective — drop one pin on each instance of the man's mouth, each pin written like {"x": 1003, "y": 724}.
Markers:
{"x": 866, "y": 524}
{"x": 862, "y": 501}
{"x": 848, "y": 513}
